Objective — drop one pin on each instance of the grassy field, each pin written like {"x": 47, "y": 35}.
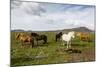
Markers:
{"x": 50, "y": 53}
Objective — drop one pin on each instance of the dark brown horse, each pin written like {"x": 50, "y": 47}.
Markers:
{"x": 58, "y": 36}
{"x": 39, "y": 37}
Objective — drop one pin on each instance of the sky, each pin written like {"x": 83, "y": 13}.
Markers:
{"x": 42, "y": 16}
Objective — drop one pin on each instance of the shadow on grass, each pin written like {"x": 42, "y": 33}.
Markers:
{"x": 70, "y": 51}
{"x": 73, "y": 44}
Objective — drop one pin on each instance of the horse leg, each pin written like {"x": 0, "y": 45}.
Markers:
{"x": 45, "y": 39}
{"x": 70, "y": 44}
{"x": 32, "y": 43}
{"x": 37, "y": 42}
{"x": 67, "y": 44}
{"x": 63, "y": 43}
{"x": 56, "y": 39}
{"x": 44, "y": 42}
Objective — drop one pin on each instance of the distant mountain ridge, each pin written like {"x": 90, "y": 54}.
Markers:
{"x": 18, "y": 30}
{"x": 78, "y": 29}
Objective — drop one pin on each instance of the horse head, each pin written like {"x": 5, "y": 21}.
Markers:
{"x": 18, "y": 35}
{"x": 72, "y": 34}
{"x": 60, "y": 33}
{"x": 78, "y": 34}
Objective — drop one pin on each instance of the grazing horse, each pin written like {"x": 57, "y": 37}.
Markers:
{"x": 25, "y": 39}
{"x": 66, "y": 38}
{"x": 58, "y": 36}
{"x": 39, "y": 37}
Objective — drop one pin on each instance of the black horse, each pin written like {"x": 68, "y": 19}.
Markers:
{"x": 58, "y": 36}
{"x": 39, "y": 37}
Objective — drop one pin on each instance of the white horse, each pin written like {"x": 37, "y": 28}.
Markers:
{"x": 66, "y": 38}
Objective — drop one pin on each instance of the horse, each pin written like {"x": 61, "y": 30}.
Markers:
{"x": 58, "y": 36}
{"x": 66, "y": 38}
{"x": 39, "y": 37}
{"x": 83, "y": 36}
{"x": 25, "y": 39}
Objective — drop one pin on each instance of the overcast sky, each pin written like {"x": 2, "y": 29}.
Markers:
{"x": 50, "y": 16}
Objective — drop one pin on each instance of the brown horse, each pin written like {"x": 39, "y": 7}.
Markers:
{"x": 83, "y": 36}
{"x": 25, "y": 39}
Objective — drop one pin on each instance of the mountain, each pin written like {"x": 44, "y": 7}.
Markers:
{"x": 78, "y": 29}
{"x": 18, "y": 30}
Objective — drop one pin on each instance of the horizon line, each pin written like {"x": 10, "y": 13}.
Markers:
{"x": 52, "y": 30}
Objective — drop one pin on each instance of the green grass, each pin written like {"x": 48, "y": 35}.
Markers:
{"x": 50, "y": 53}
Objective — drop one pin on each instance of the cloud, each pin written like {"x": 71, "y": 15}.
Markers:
{"x": 31, "y": 8}
{"x": 50, "y": 16}
{"x": 15, "y": 4}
